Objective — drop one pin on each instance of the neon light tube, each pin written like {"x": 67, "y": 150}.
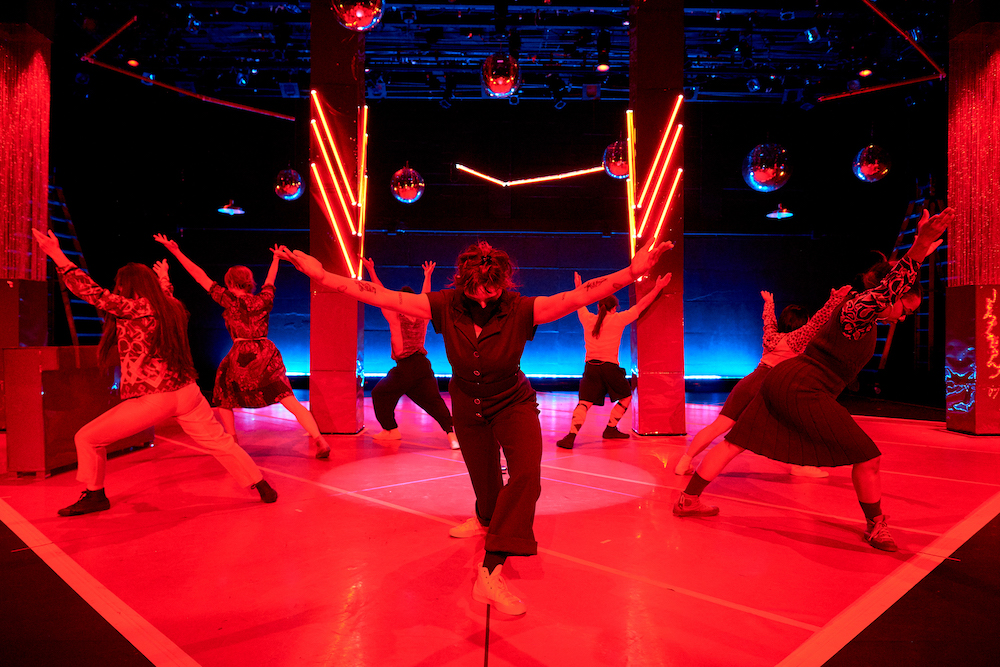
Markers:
{"x": 333, "y": 177}
{"x": 361, "y": 224}
{"x": 659, "y": 151}
{"x": 332, "y": 219}
{"x": 333, "y": 145}
{"x": 90, "y": 54}
{"x": 666, "y": 204}
{"x": 555, "y": 177}
{"x": 659, "y": 180}
{"x": 462, "y": 167}
{"x": 363, "y": 157}
{"x": 630, "y": 182}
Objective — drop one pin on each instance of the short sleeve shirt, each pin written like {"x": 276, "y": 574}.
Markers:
{"x": 496, "y": 354}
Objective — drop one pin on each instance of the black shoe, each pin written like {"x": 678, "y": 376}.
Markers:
{"x": 612, "y": 433}
{"x": 567, "y": 442}
{"x": 267, "y": 494}
{"x": 90, "y": 501}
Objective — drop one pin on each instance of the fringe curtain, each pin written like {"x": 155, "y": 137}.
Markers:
{"x": 974, "y": 156}
{"x": 24, "y": 147}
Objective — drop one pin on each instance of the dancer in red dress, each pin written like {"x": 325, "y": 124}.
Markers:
{"x": 485, "y": 327}
{"x": 784, "y": 338}
{"x": 795, "y": 416}
{"x": 252, "y": 375}
{"x": 145, "y": 332}
{"x": 412, "y": 375}
{"x": 602, "y": 335}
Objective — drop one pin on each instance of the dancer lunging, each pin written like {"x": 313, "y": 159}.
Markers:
{"x": 485, "y": 327}
{"x": 795, "y": 416}
{"x": 412, "y": 376}
{"x": 784, "y": 338}
{"x": 602, "y": 335}
{"x": 252, "y": 375}
{"x": 145, "y": 331}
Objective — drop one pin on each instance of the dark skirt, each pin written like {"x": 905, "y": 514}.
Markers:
{"x": 744, "y": 391}
{"x": 251, "y": 376}
{"x": 795, "y": 418}
{"x": 602, "y": 378}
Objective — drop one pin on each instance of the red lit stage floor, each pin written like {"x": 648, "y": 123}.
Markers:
{"x": 353, "y": 566}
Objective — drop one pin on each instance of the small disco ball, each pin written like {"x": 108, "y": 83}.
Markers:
{"x": 872, "y": 163}
{"x": 501, "y": 75}
{"x": 616, "y": 160}
{"x": 407, "y": 185}
{"x": 358, "y": 16}
{"x": 766, "y": 167}
{"x": 288, "y": 185}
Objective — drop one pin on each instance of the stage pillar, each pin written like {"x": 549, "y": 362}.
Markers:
{"x": 656, "y": 78}
{"x": 336, "y": 373}
{"x": 972, "y": 361}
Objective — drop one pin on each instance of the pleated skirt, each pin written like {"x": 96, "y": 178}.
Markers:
{"x": 795, "y": 418}
{"x": 744, "y": 391}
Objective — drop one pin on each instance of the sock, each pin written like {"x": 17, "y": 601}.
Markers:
{"x": 871, "y": 510}
{"x": 492, "y": 559}
{"x": 696, "y": 485}
{"x": 579, "y": 416}
{"x": 616, "y": 414}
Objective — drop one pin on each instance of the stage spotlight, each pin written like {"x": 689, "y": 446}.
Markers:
{"x": 603, "y": 51}
{"x": 133, "y": 63}
{"x": 242, "y": 78}
{"x": 753, "y": 84}
{"x": 812, "y": 34}
{"x": 865, "y": 73}
{"x": 513, "y": 100}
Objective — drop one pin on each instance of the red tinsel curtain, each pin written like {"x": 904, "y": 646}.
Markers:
{"x": 24, "y": 147}
{"x": 974, "y": 156}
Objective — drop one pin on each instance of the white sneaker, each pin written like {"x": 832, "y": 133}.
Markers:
{"x": 468, "y": 528}
{"x": 684, "y": 466}
{"x": 392, "y": 434}
{"x": 492, "y": 589}
{"x": 808, "y": 471}
{"x": 453, "y": 439}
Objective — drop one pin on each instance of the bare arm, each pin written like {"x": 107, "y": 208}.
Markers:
{"x": 643, "y": 303}
{"x": 428, "y": 270}
{"x": 272, "y": 272}
{"x": 413, "y": 305}
{"x": 196, "y": 271}
{"x": 551, "y": 308}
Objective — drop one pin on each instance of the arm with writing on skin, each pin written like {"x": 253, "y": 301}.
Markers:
{"x": 582, "y": 312}
{"x": 551, "y": 308}
{"x": 413, "y": 305}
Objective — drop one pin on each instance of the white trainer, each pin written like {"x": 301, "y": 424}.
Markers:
{"x": 468, "y": 528}
{"x": 492, "y": 589}
{"x": 453, "y": 439}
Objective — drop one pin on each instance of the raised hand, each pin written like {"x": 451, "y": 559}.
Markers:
{"x": 47, "y": 242}
{"x": 842, "y": 292}
{"x": 429, "y": 268}
{"x": 662, "y": 282}
{"x": 274, "y": 250}
{"x": 767, "y": 296}
{"x": 369, "y": 265}
{"x": 304, "y": 262}
{"x": 646, "y": 257}
{"x": 167, "y": 243}
{"x": 162, "y": 269}
{"x": 930, "y": 228}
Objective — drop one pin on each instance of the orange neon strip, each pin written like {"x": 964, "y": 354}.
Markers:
{"x": 555, "y": 177}
{"x": 659, "y": 151}
{"x": 666, "y": 204}
{"x": 361, "y": 223}
{"x": 332, "y": 219}
{"x": 659, "y": 180}
{"x": 630, "y": 182}
{"x": 462, "y": 167}
{"x": 333, "y": 145}
{"x": 363, "y": 157}
{"x": 333, "y": 176}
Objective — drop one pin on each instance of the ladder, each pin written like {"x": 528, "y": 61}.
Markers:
{"x": 85, "y": 322}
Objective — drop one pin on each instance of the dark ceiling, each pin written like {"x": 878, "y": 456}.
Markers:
{"x": 748, "y": 51}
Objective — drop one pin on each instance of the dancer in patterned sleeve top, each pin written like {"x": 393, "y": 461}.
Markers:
{"x": 412, "y": 376}
{"x": 795, "y": 416}
{"x": 252, "y": 375}
{"x": 602, "y": 335}
{"x": 146, "y": 328}
{"x": 784, "y": 338}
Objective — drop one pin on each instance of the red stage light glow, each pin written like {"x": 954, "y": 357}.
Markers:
{"x": 865, "y": 73}
{"x": 133, "y": 63}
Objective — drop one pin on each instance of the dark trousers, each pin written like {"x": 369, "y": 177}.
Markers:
{"x": 484, "y": 425}
{"x": 412, "y": 377}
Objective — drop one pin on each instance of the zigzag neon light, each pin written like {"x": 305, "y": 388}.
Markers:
{"x": 991, "y": 337}
{"x": 333, "y": 145}
{"x": 333, "y": 177}
{"x": 659, "y": 180}
{"x": 666, "y": 204}
{"x": 659, "y": 151}
{"x": 630, "y": 183}
{"x": 332, "y": 220}
{"x": 523, "y": 181}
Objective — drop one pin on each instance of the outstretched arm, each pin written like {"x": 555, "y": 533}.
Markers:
{"x": 370, "y": 267}
{"x": 798, "y": 339}
{"x": 413, "y": 305}
{"x": 272, "y": 271}
{"x": 771, "y": 335}
{"x": 428, "y": 270}
{"x": 162, "y": 271}
{"x": 196, "y": 271}
{"x": 551, "y": 308}
{"x": 643, "y": 303}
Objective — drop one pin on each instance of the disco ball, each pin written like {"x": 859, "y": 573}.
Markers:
{"x": 766, "y": 167}
{"x": 358, "y": 16}
{"x": 288, "y": 185}
{"x": 616, "y": 160}
{"x": 501, "y": 75}
{"x": 407, "y": 185}
{"x": 872, "y": 163}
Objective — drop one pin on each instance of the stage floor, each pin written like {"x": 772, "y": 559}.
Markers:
{"x": 353, "y": 566}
